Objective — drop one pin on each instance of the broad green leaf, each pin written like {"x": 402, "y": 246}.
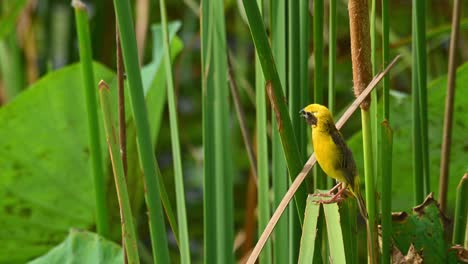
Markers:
{"x": 424, "y": 229}
{"x": 401, "y": 118}
{"x": 334, "y": 233}
{"x": 83, "y": 247}
{"x": 309, "y": 231}
{"x": 45, "y": 182}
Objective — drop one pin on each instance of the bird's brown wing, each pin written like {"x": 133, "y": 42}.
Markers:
{"x": 346, "y": 164}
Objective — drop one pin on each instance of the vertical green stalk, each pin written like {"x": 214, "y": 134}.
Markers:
{"x": 279, "y": 170}
{"x": 320, "y": 179}
{"x": 449, "y": 102}
{"x": 386, "y": 145}
{"x": 304, "y": 97}
{"x": 82, "y": 28}
{"x": 276, "y": 96}
{"x": 386, "y": 57}
{"x": 332, "y": 56}
{"x": 318, "y": 52}
{"x": 331, "y": 64}
{"x": 179, "y": 179}
{"x": 217, "y": 160}
{"x": 461, "y": 209}
{"x": 11, "y": 66}
{"x": 262, "y": 155}
{"x": 374, "y": 98}
{"x": 362, "y": 76}
{"x": 417, "y": 142}
{"x": 386, "y": 190}
{"x": 223, "y": 153}
{"x": 128, "y": 229}
{"x": 419, "y": 14}
{"x": 209, "y": 202}
{"x": 309, "y": 233}
{"x": 348, "y": 211}
{"x": 147, "y": 158}
{"x": 294, "y": 68}
{"x": 294, "y": 99}
{"x": 370, "y": 183}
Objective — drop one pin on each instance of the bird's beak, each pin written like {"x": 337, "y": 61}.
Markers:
{"x": 302, "y": 113}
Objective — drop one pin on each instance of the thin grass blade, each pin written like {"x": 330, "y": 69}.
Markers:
{"x": 147, "y": 158}
{"x": 174, "y": 127}
{"x": 309, "y": 231}
{"x": 128, "y": 228}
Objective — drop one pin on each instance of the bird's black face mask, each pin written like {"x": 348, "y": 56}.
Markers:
{"x": 309, "y": 117}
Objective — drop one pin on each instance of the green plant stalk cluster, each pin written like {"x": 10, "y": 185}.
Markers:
{"x": 209, "y": 203}
{"x": 309, "y": 232}
{"x": 386, "y": 190}
{"x": 386, "y": 144}
{"x": 304, "y": 96}
{"x": 295, "y": 104}
{"x": 374, "y": 98}
{"x": 147, "y": 158}
{"x": 419, "y": 15}
{"x": 461, "y": 209}
{"x": 333, "y": 222}
{"x": 288, "y": 140}
{"x": 369, "y": 180}
{"x": 386, "y": 58}
{"x": 331, "y": 64}
{"x": 417, "y": 142}
{"x": 334, "y": 233}
{"x": 279, "y": 169}
{"x": 178, "y": 175}
{"x": 262, "y": 156}
{"x": 81, "y": 17}
{"x": 332, "y": 57}
{"x": 348, "y": 217}
{"x": 216, "y": 138}
{"x": 128, "y": 228}
{"x": 320, "y": 178}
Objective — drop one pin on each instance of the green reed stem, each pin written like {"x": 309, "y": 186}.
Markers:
{"x": 418, "y": 171}
{"x": 274, "y": 88}
{"x": 332, "y": 65}
{"x": 262, "y": 155}
{"x": 279, "y": 169}
{"x": 174, "y": 127}
{"x": 461, "y": 209}
{"x": 319, "y": 96}
{"x": 217, "y": 159}
{"x": 147, "y": 158}
{"x": 419, "y": 13}
{"x": 128, "y": 229}
{"x": 209, "y": 189}
{"x": 84, "y": 41}
{"x": 386, "y": 190}
{"x": 332, "y": 57}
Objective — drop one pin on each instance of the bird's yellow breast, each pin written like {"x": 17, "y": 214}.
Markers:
{"x": 328, "y": 154}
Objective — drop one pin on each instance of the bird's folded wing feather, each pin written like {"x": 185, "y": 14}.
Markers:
{"x": 347, "y": 164}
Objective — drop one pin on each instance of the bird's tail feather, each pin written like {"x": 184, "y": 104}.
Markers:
{"x": 361, "y": 205}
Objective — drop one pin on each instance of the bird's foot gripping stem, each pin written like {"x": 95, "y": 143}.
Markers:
{"x": 336, "y": 198}
{"x": 331, "y": 192}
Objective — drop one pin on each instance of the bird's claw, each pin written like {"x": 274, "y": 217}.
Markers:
{"x": 327, "y": 194}
{"x": 334, "y": 199}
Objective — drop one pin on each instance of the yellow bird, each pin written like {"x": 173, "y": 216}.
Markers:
{"x": 332, "y": 153}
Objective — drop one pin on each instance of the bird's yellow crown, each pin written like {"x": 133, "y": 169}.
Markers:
{"x": 317, "y": 115}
